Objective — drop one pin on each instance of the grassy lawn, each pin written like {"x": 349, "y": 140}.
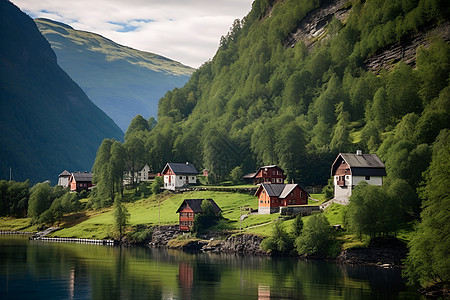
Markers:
{"x": 335, "y": 214}
{"x": 13, "y": 224}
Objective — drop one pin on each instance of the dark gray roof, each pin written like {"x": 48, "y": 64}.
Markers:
{"x": 362, "y": 165}
{"x": 362, "y": 161}
{"x": 280, "y": 190}
{"x": 82, "y": 176}
{"x": 196, "y": 205}
{"x": 178, "y": 168}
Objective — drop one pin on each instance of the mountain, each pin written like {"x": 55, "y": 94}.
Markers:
{"x": 120, "y": 80}
{"x": 298, "y": 81}
{"x": 47, "y": 122}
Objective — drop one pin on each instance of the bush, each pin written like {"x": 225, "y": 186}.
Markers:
{"x": 279, "y": 242}
{"x": 140, "y": 234}
{"x": 317, "y": 238}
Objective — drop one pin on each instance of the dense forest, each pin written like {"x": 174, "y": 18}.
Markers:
{"x": 265, "y": 99}
{"x": 47, "y": 122}
{"x": 296, "y": 82}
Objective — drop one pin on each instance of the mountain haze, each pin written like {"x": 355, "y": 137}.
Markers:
{"x": 122, "y": 81}
{"x": 47, "y": 122}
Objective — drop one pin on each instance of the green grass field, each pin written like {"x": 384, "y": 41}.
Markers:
{"x": 161, "y": 209}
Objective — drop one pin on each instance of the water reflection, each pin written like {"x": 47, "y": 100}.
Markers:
{"x": 75, "y": 271}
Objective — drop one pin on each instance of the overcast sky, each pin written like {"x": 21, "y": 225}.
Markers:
{"x": 187, "y": 31}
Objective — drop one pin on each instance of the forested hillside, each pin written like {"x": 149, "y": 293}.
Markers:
{"x": 120, "y": 80}
{"x": 293, "y": 84}
{"x": 47, "y": 122}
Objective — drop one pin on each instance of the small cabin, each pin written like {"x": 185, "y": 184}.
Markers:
{"x": 349, "y": 169}
{"x": 63, "y": 179}
{"x": 189, "y": 208}
{"x": 177, "y": 175}
{"x": 266, "y": 174}
{"x": 144, "y": 174}
{"x": 272, "y": 196}
{"x": 80, "y": 181}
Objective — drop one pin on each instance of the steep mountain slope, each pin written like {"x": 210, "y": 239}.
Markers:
{"x": 122, "y": 81}
{"x": 293, "y": 84}
{"x": 47, "y": 122}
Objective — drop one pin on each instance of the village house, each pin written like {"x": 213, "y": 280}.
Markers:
{"x": 63, "y": 179}
{"x": 80, "y": 181}
{"x": 145, "y": 174}
{"x": 275, "y": 195}
{"x": 266, "y": 174}
{"x": 189, "y": 208}
{"x": 177, "y": 175}
{"x": 349, "y": 169}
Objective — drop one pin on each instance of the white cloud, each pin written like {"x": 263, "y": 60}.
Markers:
{"x": 186, "y": 31}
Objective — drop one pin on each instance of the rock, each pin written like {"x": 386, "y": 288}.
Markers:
{"x": 387, "y": 253}
{"x": 163, "y": 234}
{"x": 242, "y": 243}
{"x": 405, "y": 50}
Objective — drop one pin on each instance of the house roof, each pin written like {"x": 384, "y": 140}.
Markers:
{"x": 196, "y": 205}
{"x": 279, "y": 190}
{"x": 253, "y": 175}
{"x": 362, "y": 164}
{"x": 82, "y": 176}
{"x": 179, "y": 168}
{"x": 64, "y": 173}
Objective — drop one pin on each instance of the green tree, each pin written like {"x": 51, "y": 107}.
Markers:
{"x": 206, "y": 219}
{"x": 298, "y": 225}
{"x": 317, "y": 238}
{"x": 135, "y": 157}
{"x": 157, "y": 184}
{"x": 138, "y": 123}
{"x": 236, "y": 175}
{"x": 340, "y": 141}
{"x": 280, "y": 241}
{"x": 427, "y": 261}
{"x": 372, "y": 211}
{"x": 39, "y": 201}
{"x": 121, "y": 217}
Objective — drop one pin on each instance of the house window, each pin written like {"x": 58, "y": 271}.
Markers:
{"x": 181, "y": 177}
{"x": 367, "y": 177}
{"x": 273, "y": 180}
{"x": 301, "y": 194}
{"x": 273, "y": 172}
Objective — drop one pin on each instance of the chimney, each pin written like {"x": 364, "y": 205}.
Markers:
{"x": 359, "y": 152}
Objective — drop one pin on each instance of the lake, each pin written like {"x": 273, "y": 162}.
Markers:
{"x": 46, "y": 270}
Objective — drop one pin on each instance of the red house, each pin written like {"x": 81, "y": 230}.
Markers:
{"x": 189, "y": 208}
{"x": 273, "y": 196}
{"x": 79, "y": 181}
{"x": 267, "y": 174}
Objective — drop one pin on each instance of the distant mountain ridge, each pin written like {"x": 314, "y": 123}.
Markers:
{"x": 47, "y": 122}
{"x": 122, "y": 81}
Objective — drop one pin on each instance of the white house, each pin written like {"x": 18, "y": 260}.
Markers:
{"x": 177, "y": 175}
{"x": 145, "y": 174}
{"x": 349, "y": 169}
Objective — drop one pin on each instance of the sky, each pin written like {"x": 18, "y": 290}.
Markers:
{"x": 187, "y": 31}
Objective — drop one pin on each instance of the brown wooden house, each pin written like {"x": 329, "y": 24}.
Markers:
{"x": 266, "y": 174}
{"x": 79, "y": 181}
{"x": 273, "y": 196}
{"x": 189, "y": 208}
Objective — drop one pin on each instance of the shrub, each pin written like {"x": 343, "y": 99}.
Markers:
{"x": 317, "y": 238}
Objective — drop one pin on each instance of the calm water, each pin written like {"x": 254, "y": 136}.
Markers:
{"x": 43, "y": 270}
